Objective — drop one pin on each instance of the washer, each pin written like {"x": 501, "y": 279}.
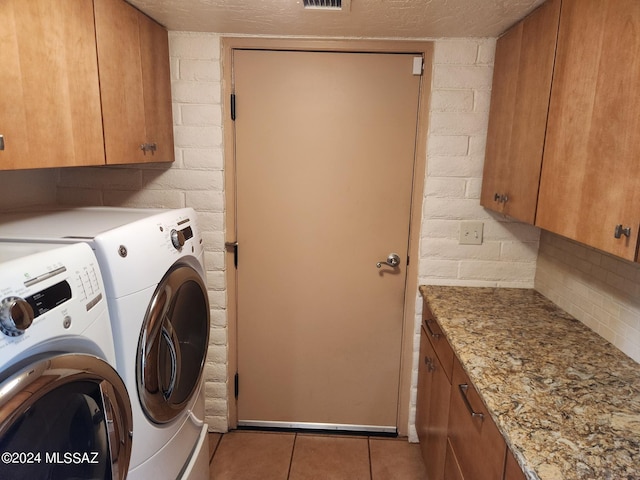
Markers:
{"x": 64, "y": 411}
{"x": 152, "y": 263}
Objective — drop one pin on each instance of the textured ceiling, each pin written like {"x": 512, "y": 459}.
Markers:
{"x": 365, "y": 18}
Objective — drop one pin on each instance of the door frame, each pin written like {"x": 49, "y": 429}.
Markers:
{"x": 425, "y": 48}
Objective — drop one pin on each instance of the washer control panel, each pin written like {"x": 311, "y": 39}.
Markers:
{"x": 47, "y": 289}
{"x": 16, "y": 315}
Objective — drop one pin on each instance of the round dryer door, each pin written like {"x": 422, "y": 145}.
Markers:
{"x": 64, "y": 416}
{"x": 173, "y": 344}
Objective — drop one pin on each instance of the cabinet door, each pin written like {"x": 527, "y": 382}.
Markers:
{"x": 49, "y": 90}
{"x": 432, "y": 409}
{"x": 590, "y": 179}
{"x": 476, "y": 441}
{"x": 519, "y": 105}
{"x": 452, "y": 469}
{"x": 133, "y": 60}
{"x": 512, "y": 470}
{"x": 156, "y": 81}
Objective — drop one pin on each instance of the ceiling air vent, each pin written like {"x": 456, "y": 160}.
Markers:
{"x": 326, "y": 4}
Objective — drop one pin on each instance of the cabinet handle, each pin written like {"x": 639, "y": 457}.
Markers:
{"x": 463, "y": 391}
{"x": 149, "y": 147}
{"x": 431, "y": 332}
{"x": 1, "y": 142}
{"x": 429, "y": 363}
{"x": 501, "y": 198}
{"x": 619, "y": 231}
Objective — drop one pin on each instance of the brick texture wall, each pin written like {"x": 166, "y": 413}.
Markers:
{"x": 23, "y": 188}
{"x": 600, "y": 290}
{"x": 460, "y": 98}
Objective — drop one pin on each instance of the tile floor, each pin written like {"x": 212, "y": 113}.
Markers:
{"x": 253, "y": 455}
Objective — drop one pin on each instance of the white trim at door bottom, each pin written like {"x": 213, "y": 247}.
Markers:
{"x": 319, "y": 426}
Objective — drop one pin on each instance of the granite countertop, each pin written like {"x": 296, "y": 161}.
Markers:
{"x": 566, "y": 400}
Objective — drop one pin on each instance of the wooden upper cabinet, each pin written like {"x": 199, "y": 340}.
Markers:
{"x": 156, "y": 81}
{"x": 49, "y": 90}
{"x": 133, "y": 60}
{"x": 518, "y": 114}
{"x": 590, "y": 183}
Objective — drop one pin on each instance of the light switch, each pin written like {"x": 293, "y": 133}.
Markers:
{"x": 471, "y": 233}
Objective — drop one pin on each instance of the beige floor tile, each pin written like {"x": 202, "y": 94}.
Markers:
{"x": 214, "y": 438}
{"x": 330, "y": 458}
{"x": 252, "y": 456}
{"x": 396, "y": 459}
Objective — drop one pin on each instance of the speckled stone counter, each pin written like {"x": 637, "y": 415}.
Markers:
{"x": 566, "y": 400}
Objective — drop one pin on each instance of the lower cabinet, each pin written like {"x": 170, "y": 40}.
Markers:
{"x": 512, "y": 470}
{"x": 452, "y": 470}
{"x": 458, "y": 438}
{"x": 475, "y": 440}
{"x": 432, "y": 409}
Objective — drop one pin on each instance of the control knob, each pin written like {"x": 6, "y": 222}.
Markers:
{"x": 177, "y": 239}
{"x": 16, "y": 315}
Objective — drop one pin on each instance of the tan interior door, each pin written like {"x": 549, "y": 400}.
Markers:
{"x": 325, "y": 146}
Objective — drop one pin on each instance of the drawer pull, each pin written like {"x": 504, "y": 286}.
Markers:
{"x": 431, "y": 332}
{"x": 463, "y": 391}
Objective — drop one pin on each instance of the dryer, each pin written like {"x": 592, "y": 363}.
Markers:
{"x": 64, "y": 411}
{"x": 153, "y": 268}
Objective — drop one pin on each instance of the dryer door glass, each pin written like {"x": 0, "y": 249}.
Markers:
{"x": 58, "y": 422}
{"x": 173, "y": 344}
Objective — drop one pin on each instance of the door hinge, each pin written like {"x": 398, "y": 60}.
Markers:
{"x": 233, "y": 106}
{"x": 236, "y": 384}
{"x": 233, "y": 245}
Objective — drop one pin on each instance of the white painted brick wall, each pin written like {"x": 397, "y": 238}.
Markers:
{"x": 23, "y": 188}
{"x": 600, "y": 290}
{"x": 460, "y": 97}
{"x": 461, "y": 92}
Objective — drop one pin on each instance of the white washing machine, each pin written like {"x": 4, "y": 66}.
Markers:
{"x": 152, "y": 265}
{"x": 64, "y": 411}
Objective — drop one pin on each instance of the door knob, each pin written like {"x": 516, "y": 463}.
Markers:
{"x": 393, "y": 260}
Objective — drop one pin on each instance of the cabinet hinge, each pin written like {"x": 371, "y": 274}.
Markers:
{"x": 233, "y": 106}
{"x": 236, "y": 385}
{"x": 408, "y": 260}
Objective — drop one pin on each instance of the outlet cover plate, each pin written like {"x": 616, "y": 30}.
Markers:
{"x": 471, "y": 233}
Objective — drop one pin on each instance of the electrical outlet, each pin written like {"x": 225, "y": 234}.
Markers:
{"x": 471, "y": 233}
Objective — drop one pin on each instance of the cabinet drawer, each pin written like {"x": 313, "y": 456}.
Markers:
{"x": 438, "y": 340}
{"x": 478, "y": 445}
